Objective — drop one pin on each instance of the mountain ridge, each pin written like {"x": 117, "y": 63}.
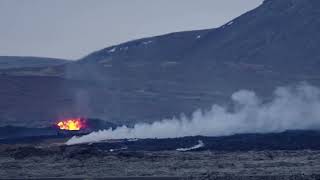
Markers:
{"x": 10, "y": 62}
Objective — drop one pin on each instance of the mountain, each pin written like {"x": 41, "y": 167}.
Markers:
{"x": 9, "y": 62}
{"x": 279, "y": 39}
{"x": 160, "y": 77}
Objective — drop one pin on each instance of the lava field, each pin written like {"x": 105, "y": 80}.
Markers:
{"x": 287, "y": 155}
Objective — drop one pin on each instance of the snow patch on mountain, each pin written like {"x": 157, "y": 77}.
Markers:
{"x": 147, "y": 42}
{"x": 112, "y": 50}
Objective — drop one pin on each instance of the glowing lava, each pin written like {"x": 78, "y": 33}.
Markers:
{"x": 72, "y": 124}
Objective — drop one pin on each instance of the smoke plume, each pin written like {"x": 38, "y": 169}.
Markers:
{"x": 291, "y": 108}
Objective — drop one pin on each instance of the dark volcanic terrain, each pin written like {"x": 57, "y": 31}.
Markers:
{"x": 288, "y": 155}
{"x": 82, "y": 163}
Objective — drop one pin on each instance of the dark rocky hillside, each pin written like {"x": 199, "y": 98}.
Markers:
{"x": 157, "y": 77}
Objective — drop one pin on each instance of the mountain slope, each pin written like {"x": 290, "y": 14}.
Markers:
{"x": 9, "y": 62}
{"x": 279, "y": 37}
{"x": 160, "y": 77}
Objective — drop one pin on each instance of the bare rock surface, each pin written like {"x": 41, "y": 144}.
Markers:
{"x": 80, "y": 162}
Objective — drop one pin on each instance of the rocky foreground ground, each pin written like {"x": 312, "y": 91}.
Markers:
{"x": 84, "y": 161}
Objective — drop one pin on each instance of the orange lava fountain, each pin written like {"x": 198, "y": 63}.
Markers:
{"x": 72, "y": 124}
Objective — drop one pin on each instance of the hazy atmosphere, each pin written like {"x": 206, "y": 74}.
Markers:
{"x": 71, "y": 29}
{"x": 160, "y": 89}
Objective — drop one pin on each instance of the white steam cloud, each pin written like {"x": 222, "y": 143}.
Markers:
{"x": 292, "y": 108}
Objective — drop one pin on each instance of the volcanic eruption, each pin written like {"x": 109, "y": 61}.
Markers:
{"x": 73, "y": 124}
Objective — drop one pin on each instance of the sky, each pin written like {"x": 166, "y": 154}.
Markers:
{"x": 71, "y": 29}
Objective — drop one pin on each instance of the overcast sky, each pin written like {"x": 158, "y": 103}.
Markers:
{"x": 73, "y": 28}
